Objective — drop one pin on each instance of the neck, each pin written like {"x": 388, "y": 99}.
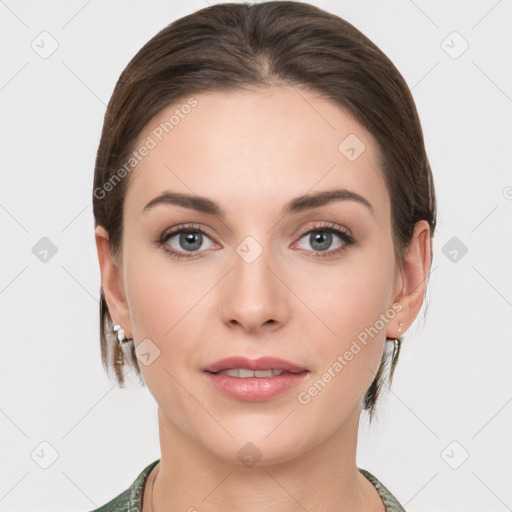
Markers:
{"x": 325, "y": 477}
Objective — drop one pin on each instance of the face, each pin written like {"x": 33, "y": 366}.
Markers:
{"x": 312, "y": 283}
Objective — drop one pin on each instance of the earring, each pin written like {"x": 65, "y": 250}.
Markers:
{"x": 120, "y": 334}
{"x": 122, "y": 340}
{"x": 399, "y": 327}
{"x": 396, "y": 351}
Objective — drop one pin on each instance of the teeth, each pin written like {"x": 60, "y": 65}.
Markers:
{"x": 244, "y": 373}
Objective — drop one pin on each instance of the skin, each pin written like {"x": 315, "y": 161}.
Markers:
{"x": 251, "y": 152}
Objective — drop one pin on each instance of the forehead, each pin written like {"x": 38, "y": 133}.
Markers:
{"x": 243, "y": 147}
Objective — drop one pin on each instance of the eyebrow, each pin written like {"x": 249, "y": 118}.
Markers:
{"x": 297, "y": 205}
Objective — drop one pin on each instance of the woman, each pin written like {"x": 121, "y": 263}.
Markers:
{"x": 264, "y": 211}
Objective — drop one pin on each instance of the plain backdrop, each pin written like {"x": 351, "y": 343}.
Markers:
{"x": 70, "y": 439}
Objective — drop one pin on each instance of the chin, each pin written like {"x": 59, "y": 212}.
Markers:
{"x": 256, "y": 448}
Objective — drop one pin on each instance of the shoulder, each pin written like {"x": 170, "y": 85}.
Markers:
{"x": 390, "y": 502}
{"x": 129, "y": 500}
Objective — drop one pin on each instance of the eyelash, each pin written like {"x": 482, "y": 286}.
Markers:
{"x": 322, "y": 227}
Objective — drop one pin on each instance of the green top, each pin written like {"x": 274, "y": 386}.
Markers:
{"x": 131, "y": 499}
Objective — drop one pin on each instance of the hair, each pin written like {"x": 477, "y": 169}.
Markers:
{"x": 230, "y": 46}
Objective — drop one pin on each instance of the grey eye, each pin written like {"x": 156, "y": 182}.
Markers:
{"x": 189, "y": 241}
{"x": 320, "y": 240}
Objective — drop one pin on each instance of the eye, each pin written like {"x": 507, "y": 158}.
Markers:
{"x": 190, "y": 241}
{"x": 320, "y": 239}
{"x": 184, "y": 239}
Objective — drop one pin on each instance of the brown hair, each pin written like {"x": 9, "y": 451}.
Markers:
{"x": 235, "y": 46}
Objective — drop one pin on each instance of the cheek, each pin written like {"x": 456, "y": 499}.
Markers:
{"x": 348, "y": 359}
{"x": 156, "y": 291}
{"x": 153, "y": 295}
{"x": 351, "y": 296}
{"x": 166, "y": 304}
{"x": 356, "y": 304}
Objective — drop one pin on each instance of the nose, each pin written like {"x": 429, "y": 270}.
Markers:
{"x": 254, "y": 297}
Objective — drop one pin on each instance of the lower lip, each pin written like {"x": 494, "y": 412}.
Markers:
{"x": 255, "y": 389}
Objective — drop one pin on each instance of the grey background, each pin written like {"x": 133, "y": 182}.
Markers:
{"x": 451, "y": 396}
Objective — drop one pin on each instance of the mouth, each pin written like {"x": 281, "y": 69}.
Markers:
{"x": 254, "y": 380}
{"x": 243, "y": 367}
{"x": 246, "y": 373}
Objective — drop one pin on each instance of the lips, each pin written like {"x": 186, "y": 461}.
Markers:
{"x": 260, "y": 364}
{"x": 254, "y": 380}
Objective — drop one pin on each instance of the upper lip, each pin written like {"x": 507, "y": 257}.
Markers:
{"x": 262, "y": 363}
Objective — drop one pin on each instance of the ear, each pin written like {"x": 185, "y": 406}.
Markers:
{"x": 410, "y": 281}
{"x": 112, "y": 282}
